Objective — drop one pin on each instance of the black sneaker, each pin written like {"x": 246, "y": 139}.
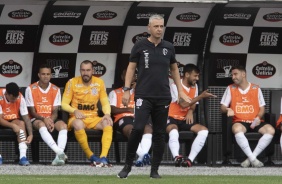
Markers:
{"x": 124, "y": 172}
{"x": 178, "y": 160}
{"x": 186, "y": 163}
{"x": 154, "y": 174}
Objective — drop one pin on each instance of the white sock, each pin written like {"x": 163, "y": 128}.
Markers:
{"x": 144, "y": 146}
{"x": 198, "y": 144}
{"x": 173, "y": 142}
{"x": 281, "y": 142}
{"x": 242, "y": 141}
{"x": 263, "y": 142}
{"x": 22, "y": 148}
{"x": 48, "y": 139}
{"x": 62, "y": 139}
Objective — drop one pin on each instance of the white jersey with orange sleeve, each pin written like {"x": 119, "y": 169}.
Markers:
{"x": 43, "y": 100}
{"x": 9, "y": 110}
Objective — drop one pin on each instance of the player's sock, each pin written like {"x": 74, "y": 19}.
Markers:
{"x": 198, "y": 144}
{"x": 62, "y": 139}
{"x": 173, "y": 142}
{"x": 22, "y": 148}
{"x": 263, "y": 142}
{"x": 48, "y": 139}
{"x": 144, "y": 146}
{"x": 242, "y": 141}
{"x": 81, "y": 138}
{"x": 106, "y": 140}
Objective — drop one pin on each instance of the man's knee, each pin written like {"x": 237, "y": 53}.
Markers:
{"x": 267, "y": 129}
{"x": 77, "y": 124}
{"x": 171, "y": 127}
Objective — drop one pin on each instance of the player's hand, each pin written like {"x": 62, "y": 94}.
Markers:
{"x": 78, "y": 114}
{"x": 230, "y": 112}
{"x": 189, "y": 117}
{"x": 29, "y": 139}
{"x": 49, "y": 123}
{"x": 126, "y": 98}
{"x": 107, "y": 118}
{"x": 206, "y": 94}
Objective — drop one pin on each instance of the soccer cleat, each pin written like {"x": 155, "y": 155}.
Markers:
{"x": 154, "y": 174}
{"x": 246, "y": 163}
{"x": 24, "y": 162}
{"x": 178, "y": 160}
{"x": 139, "y": 163}
{"x": 62, "y": 156}
{"x": 186, "y": 163}
{"x": 93, "y": 159}
{"x": 257, "y": 163}
{"x": 66, "y": 158}
{"x": 124, "y": 172}
{"x": 57, "y": 161}
{"x": 102, "y": 162}
{"x": 146, "y": 159}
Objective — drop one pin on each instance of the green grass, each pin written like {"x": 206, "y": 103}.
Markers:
{"x": 134, "y": 179}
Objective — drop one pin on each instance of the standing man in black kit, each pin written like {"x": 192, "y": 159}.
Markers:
{"x": 153, "y": 57}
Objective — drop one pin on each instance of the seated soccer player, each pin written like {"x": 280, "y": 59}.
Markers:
{"x": 279, "y": 124}
{"x": 181, "y": 117}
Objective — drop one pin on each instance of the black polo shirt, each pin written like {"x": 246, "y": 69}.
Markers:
{"x": 153, "y": 64}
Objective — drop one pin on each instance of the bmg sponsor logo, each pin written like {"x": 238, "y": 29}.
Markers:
{"x": 264, "y": 70}
{"x": 10, "y": 69}
{"x": 273, "y": 17}
{"x": 188, "y": 17}
{"x": 20, "y": 14}
{"x": 140, "y": 37}
{"x": 231, "y": 39}
{"x": 104, "y": 15}
{"x": 60, "y": 39}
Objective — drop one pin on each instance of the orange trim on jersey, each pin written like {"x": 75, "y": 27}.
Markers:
{"x": 10, "y": 110}
{"x": 176, "y": 111}
{"x": 119, "y": 93}
{"x": 245, "y": 106}
{"x": 279, "y": 121}
{"x": 43, "y": 102}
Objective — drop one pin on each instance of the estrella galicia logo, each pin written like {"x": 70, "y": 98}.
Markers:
{"x": 20, "y": 14}
{"x": 60, "y": 39}
{"x": 188, "y": 17}
{"x": 231, "y": 39}
{"x": 140, "y": 37}
{"x": 264, "y": 70}
{"x": 99, "y": 69}
{"x": 273, "y": 17}
{"x": 104, "y": 15}
{"x": 10, "y": 68}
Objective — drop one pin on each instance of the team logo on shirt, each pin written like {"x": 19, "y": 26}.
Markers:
{"x": 94, "y": 91}
{"x": 244, "y": 99}
{"x": 165, "y": 51}
{"x": 44, "y": 99}
{"x": 139, "y": 102}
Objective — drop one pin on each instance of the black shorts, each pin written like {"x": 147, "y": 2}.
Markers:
{"x": 38, "y": 119}
{"x": 248, "y": 128}
{"x": 181, "y": 124}
{"x": 122, "y": 122}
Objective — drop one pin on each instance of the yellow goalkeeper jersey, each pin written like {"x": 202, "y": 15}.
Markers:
{"x": 85, "y": 98}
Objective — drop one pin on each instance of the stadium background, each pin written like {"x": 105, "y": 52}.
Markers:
{"x": 214, "y": 36}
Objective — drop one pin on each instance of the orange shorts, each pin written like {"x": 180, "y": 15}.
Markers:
{"x": 89, "y": 123}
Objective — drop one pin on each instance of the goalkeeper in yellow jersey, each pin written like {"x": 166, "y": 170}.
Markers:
{"x": 80, "y": 99}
